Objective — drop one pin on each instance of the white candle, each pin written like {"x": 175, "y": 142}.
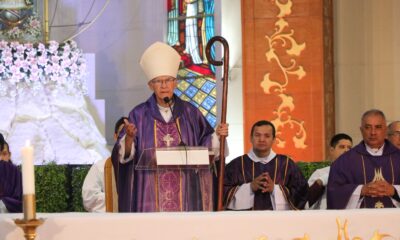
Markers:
{"x": 28, "y": 173}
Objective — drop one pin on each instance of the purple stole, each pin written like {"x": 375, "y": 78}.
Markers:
{"x": 169, "y": 181}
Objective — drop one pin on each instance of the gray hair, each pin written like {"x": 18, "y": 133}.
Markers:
{"x": 391, "y": 126}
{"x": 375, "y": 112}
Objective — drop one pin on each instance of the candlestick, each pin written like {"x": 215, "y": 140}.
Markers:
{"x": 28, "y": 182}
{"x": 29, "y": 227}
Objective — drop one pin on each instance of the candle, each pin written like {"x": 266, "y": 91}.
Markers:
{"x": 28, "y": 174}
{"x": 28, "y": 182}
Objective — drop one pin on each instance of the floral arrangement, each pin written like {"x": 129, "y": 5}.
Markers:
{"x": 38, "y": 65}
{"x": 30, "y": 29}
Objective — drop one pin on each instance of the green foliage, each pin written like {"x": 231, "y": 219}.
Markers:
{"x": 51, "y": 191}
{"x": 59, "y": 187}
{"x": 307, "y": 168}
{"x": 77, "y": 177}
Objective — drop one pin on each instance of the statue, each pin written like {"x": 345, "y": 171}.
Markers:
{"x": 19, "y": 21}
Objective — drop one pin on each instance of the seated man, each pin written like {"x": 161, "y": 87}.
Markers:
{"x": 93, "y": 195}
{"x": 262, "y": 179}
{"x": 394, "y": 133}
{"x": 339, "y": 144}
{"x": 10, "y": 181}
{"x": 367, "y": 176}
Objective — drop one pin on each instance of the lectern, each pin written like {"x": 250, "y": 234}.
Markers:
{"x": 181, "y": 175}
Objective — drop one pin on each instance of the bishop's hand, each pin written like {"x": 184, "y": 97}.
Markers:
{"x": 222, "y": 129}
{"x": 130, "y": 129}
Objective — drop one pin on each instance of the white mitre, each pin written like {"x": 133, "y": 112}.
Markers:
{"x": 160, "y": 59}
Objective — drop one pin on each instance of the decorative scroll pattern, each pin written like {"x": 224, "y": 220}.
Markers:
{"x": 343, "y": 234}
{"x": 283, "y": 38}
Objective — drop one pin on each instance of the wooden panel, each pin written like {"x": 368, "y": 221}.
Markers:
{"x": 284, "y": 74}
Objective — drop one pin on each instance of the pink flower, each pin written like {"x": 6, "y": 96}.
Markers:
{"x": 18, "y": 63}
{"x": 66, "y": 63}
{"x": 29, "y": 46}
{"x": 33, "y": 62}
{"x": 34, "y": 23}
{"x": 34, "y": 77}
{"x": 8, "y": 61}
{"x": 67, "y": 48}
{"x": 25, "y": 65}
{"x": 14, "y": 44}
{"x": 14, "y": 69}
{"x": 42, "y": 61}
{"x": 55, "y": 59}
{"x": 34, "y": 70}
{"x": 7, "y": 54}
{"x": 3, "y": 44}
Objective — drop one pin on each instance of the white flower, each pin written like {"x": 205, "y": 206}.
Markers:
{"x": 53, "y": 47}
{"x": 20, "y": 48}
{"x": 41, "y": 47}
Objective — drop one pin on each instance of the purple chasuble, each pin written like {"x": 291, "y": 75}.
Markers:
{"x": 164, "y": 190}
{"x": 10, "y": 186}
{"x": 358, "y": 167}
{"x": 282, "y": 170}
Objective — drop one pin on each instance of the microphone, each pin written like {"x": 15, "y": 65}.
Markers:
{"x": 167, "y": 100}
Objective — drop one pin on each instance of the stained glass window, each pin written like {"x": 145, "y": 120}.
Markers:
{"x": 190, "y": 26}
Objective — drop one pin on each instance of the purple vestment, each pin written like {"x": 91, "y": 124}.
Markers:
{"x": 281, "y": 169}
{"x": 165, "y": 190}
{"x": 358, "y": 167}
{"x": 10, "y": 186}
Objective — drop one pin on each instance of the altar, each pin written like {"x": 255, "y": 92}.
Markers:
{"x": 365, "y": 224}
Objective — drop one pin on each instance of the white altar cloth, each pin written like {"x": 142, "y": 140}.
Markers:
{"x": 244, "y": 225}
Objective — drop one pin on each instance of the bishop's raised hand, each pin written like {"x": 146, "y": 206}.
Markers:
{"x": 130, "y": 129}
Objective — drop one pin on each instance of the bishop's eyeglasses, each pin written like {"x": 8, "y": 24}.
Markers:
{"x": 160, "y": 82}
